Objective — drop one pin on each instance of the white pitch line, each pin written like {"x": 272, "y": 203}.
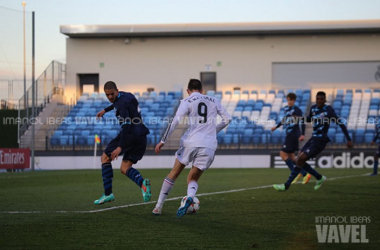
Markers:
{"x": 170, "y": 199}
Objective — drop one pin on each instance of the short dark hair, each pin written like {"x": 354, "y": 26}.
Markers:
{"x": 110, "y": 85}
{"x": 194, "y": 84}
{"x": 292, "y": 96}
{"x": 321, "y": 93}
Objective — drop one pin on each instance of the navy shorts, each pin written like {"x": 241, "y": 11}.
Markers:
{"x": 314, "y": 146}
{"x": 378, "y": 151}
{"x": 134, "y": 151}
{"x": 291, "y": 144}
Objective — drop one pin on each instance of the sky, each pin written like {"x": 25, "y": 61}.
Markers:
{"x": 50, "y": 14}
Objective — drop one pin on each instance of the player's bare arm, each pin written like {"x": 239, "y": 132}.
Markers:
{"x": 100, "y": 114}
{"x": 158, "y": 147}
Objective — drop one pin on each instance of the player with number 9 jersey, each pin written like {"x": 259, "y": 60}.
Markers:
{"x": 198, "y": 143}
{"x": 200, "y": 112}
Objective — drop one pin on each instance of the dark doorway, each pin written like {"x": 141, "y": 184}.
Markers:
{"x": 88, "y": 83}
{"x": 208, "y": 80}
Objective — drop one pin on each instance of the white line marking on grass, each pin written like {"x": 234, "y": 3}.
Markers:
{"x": 170, "y": 199}
{"x": 13, "y": 177}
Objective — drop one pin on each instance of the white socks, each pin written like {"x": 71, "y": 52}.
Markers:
{"x": 192, "y": 188}
{"x": 167, "y": 185}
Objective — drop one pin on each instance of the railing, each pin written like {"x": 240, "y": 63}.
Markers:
{"x": 50, "y": 82}
{"x": 7, "y": 105}
{"x": 6, "y": 94}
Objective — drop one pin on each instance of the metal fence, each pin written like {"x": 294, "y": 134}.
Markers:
{"x": 49, "y": 83}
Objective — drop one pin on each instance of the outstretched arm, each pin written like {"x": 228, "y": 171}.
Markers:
{"x": 182, "y": 111}
{"x": 102, "y": 112}
{"x": 345, "y": 132}
{"x": 226, "y": 118}
{"x": 278, "y": 124}
{"x": 342, "y": 126}
{"x": 300, "y": 121}
{"x": 109, "y": 108}
{"x": 307, "y": 118}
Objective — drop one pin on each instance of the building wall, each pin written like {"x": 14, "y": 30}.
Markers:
{"x": 241, "y": 61}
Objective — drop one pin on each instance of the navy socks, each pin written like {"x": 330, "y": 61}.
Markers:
{"x": 296, "y": 170}
{"x": 375, "y": 166}
{"x": 107, "y": 175}
{"x": 289, "y": 163}
{"x": 311, "y": 171}
{"x": 135, "y": 176}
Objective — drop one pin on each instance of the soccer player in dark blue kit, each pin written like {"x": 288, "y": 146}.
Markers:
{"x": 321, "y": 116}
{"x": 130, "y": 141}
{"x": 376, "y": 157}
{"x": 291, "y": 123}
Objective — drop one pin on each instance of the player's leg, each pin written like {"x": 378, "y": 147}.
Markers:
{"x": 167, "y": 185}
{"x": 288, "y": 154}
{"x": 306, "y": 176}
{"x": 295, "y": 172}
{"x": 310, "y": 149}
{"x": 376, "y": 162}
{"x": 192, "y": 181}
{"x": 296, "y": 148}
{"x": 133, "y": 174}
{"x": 107, "y": 172}
{"x": 292, "y": 158}
{"x": 288, "y": 150}
{"x": 107, "y": 176}
{"x": 203, "y": 159}
{"x": 286, "y": 157}
{"x": 132, "y": 155}
{"x": 313, "y": 150}
{"x": 182, "y": 160}
{"x": 192, "y": 188}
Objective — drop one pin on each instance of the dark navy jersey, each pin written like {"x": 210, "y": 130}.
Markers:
{"x": 291, "y": 121}
{"x": 127, "y": 111}
{"x": 321, "y": 119}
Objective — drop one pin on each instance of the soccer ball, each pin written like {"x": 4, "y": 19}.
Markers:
{"x": 194, "y": 207}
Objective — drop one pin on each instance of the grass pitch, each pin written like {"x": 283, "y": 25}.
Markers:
{"x": 239, "y": 210}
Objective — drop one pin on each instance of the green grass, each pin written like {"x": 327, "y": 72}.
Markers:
{"x": 251, "y": 219}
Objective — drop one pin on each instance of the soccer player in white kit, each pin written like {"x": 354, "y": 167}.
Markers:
{"x": 198, "y": 143}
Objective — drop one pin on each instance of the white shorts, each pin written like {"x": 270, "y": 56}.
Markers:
{"x": 201, "y": 158}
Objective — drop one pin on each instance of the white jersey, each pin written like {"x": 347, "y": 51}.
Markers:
{"x": 200, "y": 112}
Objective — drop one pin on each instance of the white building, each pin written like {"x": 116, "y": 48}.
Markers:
{"x": 246, "y": 55}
